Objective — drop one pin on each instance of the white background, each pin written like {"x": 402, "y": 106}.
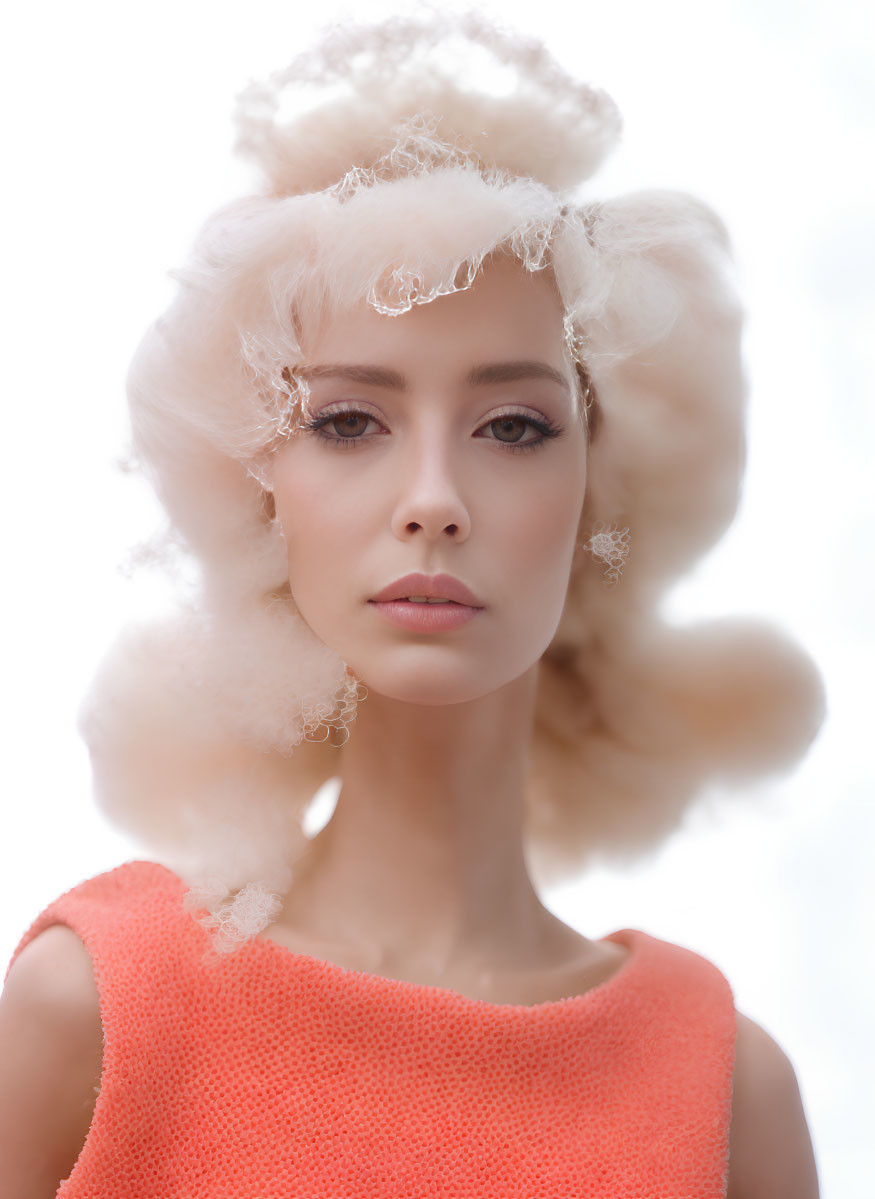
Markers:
{"x": 118, "y": 145}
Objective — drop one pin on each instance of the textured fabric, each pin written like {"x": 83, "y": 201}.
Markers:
{"x": 267, "y": 1073}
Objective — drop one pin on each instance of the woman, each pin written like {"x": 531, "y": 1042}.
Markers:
{"x": 414, "y": 406}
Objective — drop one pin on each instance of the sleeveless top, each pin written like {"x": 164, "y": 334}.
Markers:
{"x": 265, "y": 1073}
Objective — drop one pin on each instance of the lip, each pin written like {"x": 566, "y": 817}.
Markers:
{"x": 440, "y": 586}
{"x": 425, "y": 618}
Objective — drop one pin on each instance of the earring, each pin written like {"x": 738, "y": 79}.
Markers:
{"x": 610, "y": 544}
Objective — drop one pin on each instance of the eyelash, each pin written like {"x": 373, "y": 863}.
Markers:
{"x": 546, "y": 428}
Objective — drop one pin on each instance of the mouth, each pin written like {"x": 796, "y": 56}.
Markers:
{"x": 425, "y": 614}
{"x": 422, "y": 599}
{"x": 431, "y": 590}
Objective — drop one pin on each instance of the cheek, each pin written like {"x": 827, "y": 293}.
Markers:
{"x": 319, "y": 542}
{"x": 546, "y": 520}
{"x": 325, "y": 528}
{"x": 300, "y": 508}
{"x": 538, "y": 540}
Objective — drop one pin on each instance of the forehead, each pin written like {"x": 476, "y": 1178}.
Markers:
{"x": 507, "y": 311}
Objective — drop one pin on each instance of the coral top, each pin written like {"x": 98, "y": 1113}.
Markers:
{"x": 266, "y": 1073}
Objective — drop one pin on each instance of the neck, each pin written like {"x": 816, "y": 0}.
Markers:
{"x": 421, "y": 866}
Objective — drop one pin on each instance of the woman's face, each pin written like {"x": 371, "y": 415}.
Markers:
{"x": 419, "y": 466}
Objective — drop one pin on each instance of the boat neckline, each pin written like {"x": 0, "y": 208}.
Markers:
{"x": 634, "y": 940}
{"x": 379, "y": 984}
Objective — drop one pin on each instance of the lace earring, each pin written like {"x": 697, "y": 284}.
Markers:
{"x": 610, "y": 545}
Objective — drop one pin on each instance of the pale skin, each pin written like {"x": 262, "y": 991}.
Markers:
{"x": 420, "y": 872}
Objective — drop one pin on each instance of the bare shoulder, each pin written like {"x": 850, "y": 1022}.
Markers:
{"x": 770, "y": 1150}
{"x": 51, "y": 1055}
{"x": 54, "y": 963}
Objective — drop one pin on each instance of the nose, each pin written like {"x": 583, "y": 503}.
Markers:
{"x": 429, "y": 502}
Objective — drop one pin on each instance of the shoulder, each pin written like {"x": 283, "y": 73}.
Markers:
{"x": 53, "y": 974}
{"x": 51, "y": 1051}
{"x": 770, "y": 1150}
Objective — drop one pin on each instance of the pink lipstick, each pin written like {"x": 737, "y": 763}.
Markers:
{"x": 427, "y": 604}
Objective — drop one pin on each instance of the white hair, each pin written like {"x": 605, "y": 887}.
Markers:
{"x": 205, "y": 729}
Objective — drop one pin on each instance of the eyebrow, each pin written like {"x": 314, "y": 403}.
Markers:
{"x": 478, "y": 376}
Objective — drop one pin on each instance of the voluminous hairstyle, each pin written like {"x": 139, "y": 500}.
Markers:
{"x": 211, "y": 730}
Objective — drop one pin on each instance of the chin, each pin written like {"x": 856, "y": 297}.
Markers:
{"x": 427, "y": 688}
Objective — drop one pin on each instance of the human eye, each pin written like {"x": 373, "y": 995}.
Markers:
{"x": 504, "y": 424}
{"x": 346, "y": 420}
